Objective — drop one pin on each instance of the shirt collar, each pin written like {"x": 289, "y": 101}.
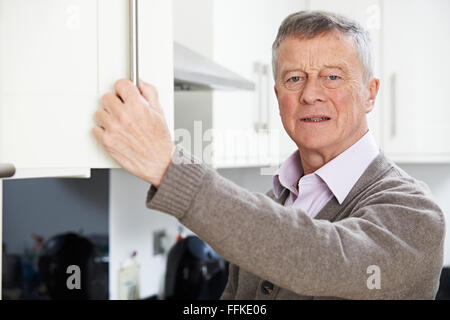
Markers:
{"x": 340, "y": 174}
{"x": 288, "y": 174}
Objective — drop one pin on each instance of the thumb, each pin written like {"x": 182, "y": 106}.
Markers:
{"x": 149, "y": 92}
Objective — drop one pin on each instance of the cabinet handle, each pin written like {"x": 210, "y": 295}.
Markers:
{"x": 262, "y": 70}
{"x": 393, "y": 128}
{"x": 258, "y": 70}
{"x": 7, "y": 170}
{"x": 134, "y": 45}
{"x": 267, "y": 76}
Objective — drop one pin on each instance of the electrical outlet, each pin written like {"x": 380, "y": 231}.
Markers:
{"x": 158, "y": 237}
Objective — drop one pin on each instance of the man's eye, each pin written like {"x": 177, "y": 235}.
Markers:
{"x": 294, "y": 79}
{"x": 333, "y": 77}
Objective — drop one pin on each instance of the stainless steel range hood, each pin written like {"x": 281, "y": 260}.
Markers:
{"x": 193, "y": 71}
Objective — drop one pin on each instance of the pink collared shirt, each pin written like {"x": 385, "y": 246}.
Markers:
{"x": 336, "y": 178}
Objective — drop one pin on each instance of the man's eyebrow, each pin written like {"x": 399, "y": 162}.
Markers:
{"x": 342, "y": 67}
{"x": 338, "y": 66}
{"x": 284, "y": 72}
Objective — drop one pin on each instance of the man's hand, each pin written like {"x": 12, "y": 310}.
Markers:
{"x": 132, "y": 129}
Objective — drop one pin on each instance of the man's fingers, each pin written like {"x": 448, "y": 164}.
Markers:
{"x": 126, "y": 90}
{"x": 112, "y": 105}
{"x": 111, "y": 102}
{"x": 98, "y": 132}
{"x": 149, "y": 92}
{"x": 102, "y": 117}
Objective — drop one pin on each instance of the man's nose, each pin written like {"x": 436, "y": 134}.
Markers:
{"x": 312, "y": 92}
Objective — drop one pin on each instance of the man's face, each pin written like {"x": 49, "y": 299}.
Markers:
{"x": 322, "y": 78}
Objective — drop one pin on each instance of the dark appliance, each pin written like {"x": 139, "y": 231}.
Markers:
{"x": 64, "y": 250}
{"x": 194, "y": 271}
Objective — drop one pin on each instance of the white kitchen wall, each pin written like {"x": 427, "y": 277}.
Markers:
{"x": 248, "y": 178}
{"x": 131, "y": 227}
{"x": 50, "y": 206}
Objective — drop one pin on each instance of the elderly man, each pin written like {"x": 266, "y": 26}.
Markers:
{"x": 341, "y": 221}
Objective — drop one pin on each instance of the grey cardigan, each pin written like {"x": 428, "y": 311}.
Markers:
{"x": 388, "y": 220}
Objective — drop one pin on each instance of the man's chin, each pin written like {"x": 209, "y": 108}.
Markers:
{"x": 314, "y": 145}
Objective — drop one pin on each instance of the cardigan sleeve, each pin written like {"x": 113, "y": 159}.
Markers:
{"x": 397, "y": 230}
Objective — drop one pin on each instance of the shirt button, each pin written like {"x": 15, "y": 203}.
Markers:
{"x": 267, "y": 287}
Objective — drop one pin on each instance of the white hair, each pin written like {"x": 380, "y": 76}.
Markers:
{"x": 309, "y": 24}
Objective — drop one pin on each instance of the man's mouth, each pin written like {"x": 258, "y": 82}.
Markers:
{"x": 316, "y": 119}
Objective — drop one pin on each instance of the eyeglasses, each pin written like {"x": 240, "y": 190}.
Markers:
{"x": 328, "y": 79}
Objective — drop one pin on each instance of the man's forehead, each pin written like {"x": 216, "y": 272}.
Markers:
{"x": 306, "y": 68}
{"x": 338, "y": 64}
{"x": 332, "y": 39}
{"x": 317, "y": 53}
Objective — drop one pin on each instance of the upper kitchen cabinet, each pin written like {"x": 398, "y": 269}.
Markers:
{"x": 237, "y": 127}
{"x": 57, "y": 58}
{"x": 368, "y": 14}
{"x": 243, "y": 35}
{"x": 415, "y": 83}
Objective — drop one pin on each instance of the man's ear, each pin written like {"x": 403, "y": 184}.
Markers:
{"x": 372, "y": 88}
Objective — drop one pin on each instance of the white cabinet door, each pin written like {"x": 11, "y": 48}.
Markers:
{"x": 243, "y": 35}
{"x": 368, "y": 14}
{"x": 239, "y": 36}
{"x": 237, "y": 45}
{"x": 416, "y": 82}
{"x": 58, "y": 57}
{"x": 280, "y": 144}
{"x": 48, "y": 83}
